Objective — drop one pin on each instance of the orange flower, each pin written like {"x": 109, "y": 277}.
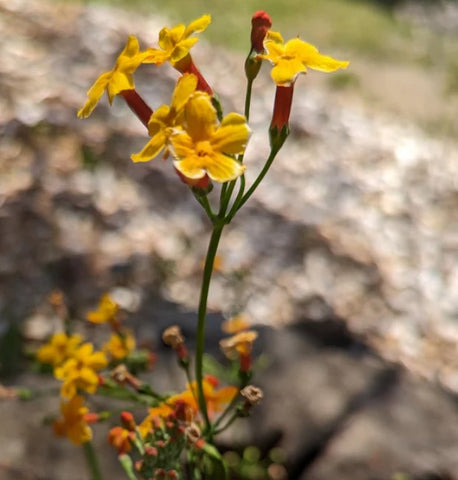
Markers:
{"x": 240, "y": 344}
{"x": 121, "y": 439}
{"x": 74, "y": 425}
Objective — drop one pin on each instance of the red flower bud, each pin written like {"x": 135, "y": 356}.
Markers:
{"x": 127, "y": 420}
{"x": 260, "y": 24}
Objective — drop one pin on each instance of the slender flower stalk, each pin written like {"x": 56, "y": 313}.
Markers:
{"x": 92, "y": 461}
{"x": 137, "y": 105}
{"x": 201, "y": 319}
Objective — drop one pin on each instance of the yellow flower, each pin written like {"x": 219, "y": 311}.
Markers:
{"x": 80, "y": 371}
{"x": 59, "y": 348}
{"x": 117, "y": 80}
{"x": 176, "y": 42}
{"x": 162, "y": 121}
{"x": 215, "y": 398}
{"x": 294, "y": 57}
{"x": 119, "y": 346}
{"x": 204, "y": 147}
{"x": 235, "y": 324}
{"x": 241, "y": 343}
{"x": 106, "y": 311}
{"x": 73, "y": 424}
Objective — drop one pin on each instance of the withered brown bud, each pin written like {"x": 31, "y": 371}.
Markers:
{"x": 252, "y": 395}
{"x": 192, "y": 433}
{"x": 173, "y": 337}
{"x": 121, "y": 375}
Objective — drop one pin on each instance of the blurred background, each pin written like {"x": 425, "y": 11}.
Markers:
{"x": 346, "y": 258}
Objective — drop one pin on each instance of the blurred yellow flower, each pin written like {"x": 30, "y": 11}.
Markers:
{"x": 59, "y": 348}
{"x": 235, "y": 324}
{"x": 165, "y": 118}
{"x": 119, "y": 346}
{"x": 73, "y": 424}
{"x": 241, "y": 343}
{"x": 80, "y": 371}
{"x": 205, "y": 147}
{"x": 117, "y": 80}
{"x": 106, "y": 312}
{"x": 176, "y": 42}
{"x": 294, "y": 57}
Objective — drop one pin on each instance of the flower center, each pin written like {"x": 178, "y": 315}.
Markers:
{"x": 203, "y": 148}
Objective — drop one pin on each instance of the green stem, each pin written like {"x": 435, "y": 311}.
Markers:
{"x": 248, "y": 99}
{"x": 236, "y": 207}
{"x": 202, "y": 315}
{"x": 231, "y": 420}
{"x": 203, "y": 200}
{"x": 92, "y": 461}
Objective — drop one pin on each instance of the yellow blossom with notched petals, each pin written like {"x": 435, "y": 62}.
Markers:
{"x": 176, "y": 42}
{"x": 165, "y": 118}
{"x": 80, "y": 371}
{"x": 73, "y": 424}
{"x": 236, "y": 324}
{"x": 117, "y": 80}
{"x": 59, "y": 348}
{"x": 241, "y": 344}
{"x": 294, "y": 57}
{"x": 119, "y": 346}
{"x": 204, "y": 147}
{"x": 106, "y": 312}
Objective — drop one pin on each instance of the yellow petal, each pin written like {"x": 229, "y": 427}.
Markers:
{"x": 223, "y": 168}
{"x": 232, "y": 136}
{"x": 198, "y": 25}
{"x": 219, "y": 167}
{"x": 153, "y": 55}
{"x": 151, "y": 149}
{"x": 274, "y": 37}
{"x": 200, "y": 116}
{"x": 132, "y": 47}
{"x": 94, "y": 94}
{"x": 286, "y": 71}
{"x": 185, "y": 87}
{"x": 325, "y": 64}
{"x": 182, "y": 49}
{"x": 119, "y": 82}
{"x": 182, "y": 144}
{"x": 169, "y": 37}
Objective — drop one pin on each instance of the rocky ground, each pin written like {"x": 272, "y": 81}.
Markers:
{"x": 346, "y": 257}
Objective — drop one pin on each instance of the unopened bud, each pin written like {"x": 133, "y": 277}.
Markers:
{"x": 151, "y": 451}
{"x": 192, "y": 433}
{"x": 173, "y": 337}
{"x": 127, "y": 420}
{"x": 252, "y": 395}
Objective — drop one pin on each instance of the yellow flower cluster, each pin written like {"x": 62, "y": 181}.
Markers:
{"x": 188, "y": 127}
{"x": 77, "y": 366}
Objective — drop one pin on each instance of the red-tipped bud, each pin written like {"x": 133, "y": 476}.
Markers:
{"x": 260, "y": 25}
{"x": 151, "y": 451}
{"x": 91, "y": 417}
{"x": 127, "y": 420}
